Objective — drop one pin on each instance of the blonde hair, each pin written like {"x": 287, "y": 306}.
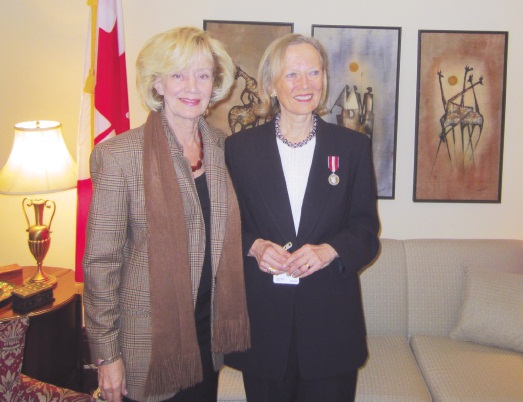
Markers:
{"x": 271, "y": 66}
{"x": 175, "y": 50}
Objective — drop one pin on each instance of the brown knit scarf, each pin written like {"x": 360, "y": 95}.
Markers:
{"x": 175, "y": 358}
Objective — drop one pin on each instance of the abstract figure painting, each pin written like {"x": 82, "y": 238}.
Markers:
{"x": 242, "y": 116}
{"x": 363, "y": 93}
{"x": 245, "y": 42}
{"x": 460, "y": 116}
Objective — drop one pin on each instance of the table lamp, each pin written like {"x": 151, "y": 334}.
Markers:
{"x": 39, "y": 163}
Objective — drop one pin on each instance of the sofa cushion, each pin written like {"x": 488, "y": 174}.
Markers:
{"x": 384, "y": 291}
{"x": 492, "y": 310}
{"x": 465, "y": 371}
{"x": 391, "y": 373}
{"x": 12, "y": 340}
{"x": 436, "y": 276}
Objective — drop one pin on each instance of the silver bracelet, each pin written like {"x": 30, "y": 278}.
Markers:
{"x": 103, "y": 362}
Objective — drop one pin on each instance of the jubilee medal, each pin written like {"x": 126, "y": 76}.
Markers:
{"x": 334, "y": 164}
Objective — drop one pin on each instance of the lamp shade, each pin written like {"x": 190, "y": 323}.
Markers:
{"x": 39, "y": 162}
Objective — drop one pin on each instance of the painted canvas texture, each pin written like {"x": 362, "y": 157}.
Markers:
{"x": 461, "y": 91}
{"x": 364, "y": 70}
{"x": 245, "y": 43}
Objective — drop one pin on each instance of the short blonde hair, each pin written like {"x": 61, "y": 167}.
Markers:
{"x": 271, "y": 66}
{"x": 175, "y": 50}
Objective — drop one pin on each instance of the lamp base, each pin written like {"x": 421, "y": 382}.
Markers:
{"x": 41, "y": 277}
{"x": 39, "y": 238}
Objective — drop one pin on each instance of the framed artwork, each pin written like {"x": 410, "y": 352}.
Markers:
{"x": 460, "y": 116}
{"x": 245, "y": 42}
{"x": 364, "y": 65}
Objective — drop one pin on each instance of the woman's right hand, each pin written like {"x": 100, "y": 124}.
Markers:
{"x": 270, "y": 256}
{"x": 111, "y": 380}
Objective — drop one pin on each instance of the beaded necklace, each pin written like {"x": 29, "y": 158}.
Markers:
{"x": 295, "y": 144}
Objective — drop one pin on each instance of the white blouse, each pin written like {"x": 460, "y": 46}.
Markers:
{"x": 296, "y": 163}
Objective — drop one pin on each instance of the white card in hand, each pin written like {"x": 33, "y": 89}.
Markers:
{"x": 284, "y": 279}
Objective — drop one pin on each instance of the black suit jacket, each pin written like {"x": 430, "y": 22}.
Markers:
{"x": 326, "y": 307}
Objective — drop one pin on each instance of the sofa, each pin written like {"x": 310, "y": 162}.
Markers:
{"x": 444, "y": 321}
{"x": 17, "y": 387}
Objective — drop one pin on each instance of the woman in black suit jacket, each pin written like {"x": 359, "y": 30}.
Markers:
{"x": 307, "y": 196}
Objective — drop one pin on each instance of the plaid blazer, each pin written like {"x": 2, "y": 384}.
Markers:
{"x": 116, "y": 293}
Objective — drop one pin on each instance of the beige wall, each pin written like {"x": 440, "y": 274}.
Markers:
{"x": 42, "y": 44}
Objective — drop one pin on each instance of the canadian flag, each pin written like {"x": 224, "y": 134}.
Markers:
{"x": 105, "y": 107}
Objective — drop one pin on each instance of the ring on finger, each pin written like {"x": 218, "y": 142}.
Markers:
{"x": 271, "y": 270}
{"x": 98, "y": 394}
{"x": 307, "y": 265}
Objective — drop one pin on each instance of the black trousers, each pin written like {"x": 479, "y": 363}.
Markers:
{"x": 341, "y": 388}
{"x": 294, "y": 388}
{"x": 205, "y": 391}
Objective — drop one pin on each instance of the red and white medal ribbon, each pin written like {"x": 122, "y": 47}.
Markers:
{"x": 334, "y": 164}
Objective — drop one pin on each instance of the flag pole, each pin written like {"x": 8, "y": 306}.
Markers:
{"x": 90, "y": 81}
{"x": 84, "y": 191}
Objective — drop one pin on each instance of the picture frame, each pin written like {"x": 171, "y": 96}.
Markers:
{"x": 460, "y": 114}
{"x": 245, "y": 41}
{"x": 364, "y": 68}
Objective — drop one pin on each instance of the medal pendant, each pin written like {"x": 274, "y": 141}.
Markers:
{"x": 334, "y": 179}
{"x": 334, "y": 164}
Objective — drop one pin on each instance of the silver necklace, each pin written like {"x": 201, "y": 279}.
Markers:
{"x": 295, "y": 144}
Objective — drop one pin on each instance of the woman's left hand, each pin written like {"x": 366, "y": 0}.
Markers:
{"x": 309, "y": 259}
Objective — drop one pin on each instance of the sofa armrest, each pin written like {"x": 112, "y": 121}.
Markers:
{"x": 32, "y": 389}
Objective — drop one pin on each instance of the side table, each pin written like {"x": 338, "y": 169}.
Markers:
{"x": 53, "y": 342}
